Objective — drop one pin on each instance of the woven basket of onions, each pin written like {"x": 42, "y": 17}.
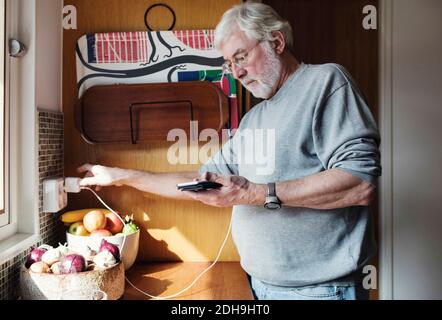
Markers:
{"x": 62, "y": 274}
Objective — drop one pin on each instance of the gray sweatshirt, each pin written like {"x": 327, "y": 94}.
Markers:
{"x": 318, "y": 120}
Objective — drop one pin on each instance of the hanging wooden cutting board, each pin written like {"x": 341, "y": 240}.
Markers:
{"x": 131, "y": 113}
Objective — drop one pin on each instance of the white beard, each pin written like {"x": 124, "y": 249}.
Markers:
{"x": 263, "y": 87}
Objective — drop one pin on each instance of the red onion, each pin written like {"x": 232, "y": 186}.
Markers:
{"x": 73, "y": 263}
{"x": 112, "y": 248}
{"x": 34, "y": 256}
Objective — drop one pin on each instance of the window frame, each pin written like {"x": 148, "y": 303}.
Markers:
{"x": 4, "y": 73}
{"x": 23, "y": 229}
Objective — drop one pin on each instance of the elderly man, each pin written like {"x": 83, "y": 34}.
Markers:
{"x": 326, "y": 160}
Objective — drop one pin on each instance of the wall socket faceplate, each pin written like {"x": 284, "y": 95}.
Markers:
{"x": 54, "y": 196}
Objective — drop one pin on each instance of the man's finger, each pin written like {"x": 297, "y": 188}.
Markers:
{"x": 205, "y": 176}
{"x": 214, "y": 177}
{"x": 210, "y": 176}
{"x": 85, "y": 182}
{"x": 84, "y": 168}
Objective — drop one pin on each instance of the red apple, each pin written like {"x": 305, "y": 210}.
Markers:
{"x": 113, "y": 223}
{"x": 101, "y": 233}
{"x": 94, "y": 220}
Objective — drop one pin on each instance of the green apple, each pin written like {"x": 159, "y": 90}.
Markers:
{"x": 78, "y": 229}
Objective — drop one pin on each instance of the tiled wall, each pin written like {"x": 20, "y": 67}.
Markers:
{"x": 50, "y": 164}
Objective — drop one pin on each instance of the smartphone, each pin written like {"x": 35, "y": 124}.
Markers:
{"x": 198, "y": 185}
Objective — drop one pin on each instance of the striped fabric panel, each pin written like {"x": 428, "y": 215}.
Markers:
{"x": 121, "y": 47}
{"x": 196, "y": 39}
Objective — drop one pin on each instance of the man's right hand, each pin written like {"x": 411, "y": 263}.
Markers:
{"x": 100, "y": 176}
{"x": 163, "y": 184}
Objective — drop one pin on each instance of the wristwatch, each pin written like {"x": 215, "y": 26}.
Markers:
{"x": 272, "y": 201}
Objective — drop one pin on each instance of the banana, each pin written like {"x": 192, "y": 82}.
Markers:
{"x": 76, "y": 215}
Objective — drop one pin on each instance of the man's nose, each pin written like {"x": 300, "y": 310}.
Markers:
{"x": 238, "y": 72}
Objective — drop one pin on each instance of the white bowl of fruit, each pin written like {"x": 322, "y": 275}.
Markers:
{"x": 87, "y": 227}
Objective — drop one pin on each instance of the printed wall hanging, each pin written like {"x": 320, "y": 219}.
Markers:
{"x": 153, "y": 57}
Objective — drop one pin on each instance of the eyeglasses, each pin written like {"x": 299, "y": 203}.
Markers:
{"x": 241, "y": 60}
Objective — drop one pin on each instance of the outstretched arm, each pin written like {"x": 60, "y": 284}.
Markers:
{"x": 163, "y": 184}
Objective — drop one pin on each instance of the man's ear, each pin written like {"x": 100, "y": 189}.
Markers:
{"x": 279, "y": 42}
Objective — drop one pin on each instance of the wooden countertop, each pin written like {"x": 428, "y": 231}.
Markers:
{"x": 224, "y": 281}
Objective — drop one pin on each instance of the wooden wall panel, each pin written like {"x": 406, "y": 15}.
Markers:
{"x": 330, "y": 31}
{"x": 171, "y": 230}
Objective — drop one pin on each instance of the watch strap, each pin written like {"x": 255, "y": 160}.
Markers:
{"x": 271, "y": 189}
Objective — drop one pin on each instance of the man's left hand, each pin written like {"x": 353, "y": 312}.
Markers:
{"x": 236, "y": 190}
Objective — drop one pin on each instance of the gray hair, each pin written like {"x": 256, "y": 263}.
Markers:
{"x": 256, "y": 20}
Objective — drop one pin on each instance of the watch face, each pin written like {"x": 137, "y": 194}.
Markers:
{"x": 273, "y": 205}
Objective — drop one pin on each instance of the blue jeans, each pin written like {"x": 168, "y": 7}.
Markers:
{"x": 263, "y": 291}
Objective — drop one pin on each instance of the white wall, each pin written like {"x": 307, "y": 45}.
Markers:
{"x": 416, "y": 141}
{"x": 49, "y": 54}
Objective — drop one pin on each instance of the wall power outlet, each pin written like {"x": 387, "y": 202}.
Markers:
{"x": 54, "y": 195}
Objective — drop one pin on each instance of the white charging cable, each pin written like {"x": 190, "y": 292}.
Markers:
{"x": 193, "y": 282}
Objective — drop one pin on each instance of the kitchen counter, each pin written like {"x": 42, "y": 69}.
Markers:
{"x": 224, "y": 281}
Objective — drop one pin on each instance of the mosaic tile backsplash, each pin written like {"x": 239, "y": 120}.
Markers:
{"x": 50, "y": 164}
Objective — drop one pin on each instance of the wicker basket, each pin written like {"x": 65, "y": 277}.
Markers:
{"x": 74, "y": 286}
